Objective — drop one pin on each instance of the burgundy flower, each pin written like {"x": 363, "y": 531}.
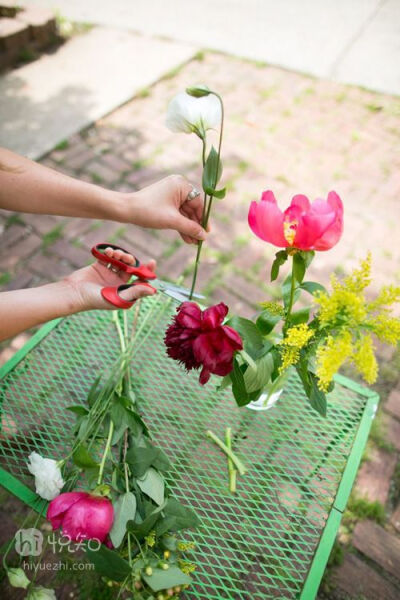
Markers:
{"x": 197, "y": 339}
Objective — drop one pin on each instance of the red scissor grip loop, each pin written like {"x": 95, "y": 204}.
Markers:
{"x": 111, "y": 294}
{"x": 140, "y": 271}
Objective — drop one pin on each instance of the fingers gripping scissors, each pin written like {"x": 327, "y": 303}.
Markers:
{"x": 142, "y": 274}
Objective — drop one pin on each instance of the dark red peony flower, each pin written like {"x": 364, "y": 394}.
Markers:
{"x": 197, "y": 339}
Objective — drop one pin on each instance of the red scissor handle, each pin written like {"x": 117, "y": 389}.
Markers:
{"x": 111, "y": 294}
{"x": 140, "y": 271}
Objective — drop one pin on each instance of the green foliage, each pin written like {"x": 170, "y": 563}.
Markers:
{"x": 280, "y": 259}
{"x": 52, "y": 236}
{"x": 212, "y": 172}
{"x": 359, "y": 507}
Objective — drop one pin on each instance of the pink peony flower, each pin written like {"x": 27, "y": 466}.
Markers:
{"x": 303, "y": 225}
{"x": 197, "y": 339}
{"x": 81, "y": 516}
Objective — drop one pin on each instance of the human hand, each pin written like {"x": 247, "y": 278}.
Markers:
{"x": 165, "y": 205}
{"x": 88, "y": 282}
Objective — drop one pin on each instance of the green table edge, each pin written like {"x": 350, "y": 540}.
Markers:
{"x": 325, "y": 545}
{"x": 323, "y": 550}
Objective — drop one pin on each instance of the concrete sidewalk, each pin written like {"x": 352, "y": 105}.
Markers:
{"x": 46, "y": 101}
{"x": 356, "y": 42}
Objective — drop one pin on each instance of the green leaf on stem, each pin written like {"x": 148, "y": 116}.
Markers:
{"x": 286, "y": 288}
{"x": 238, "y": 385}
{"x": 109, "y": 563}
{"x": 212, "y": 170}
{"x": 142, "y": 528}
{"x": 153, "y": 485}
{"x": 300, "y": 316}
{"x": 78, "y": 410}
{"x": 82, "y": 458}
{"x": 256, "y": 379}
{"x": 162, "y": 580}
{"x": 267, "y": 321}
{"x": 124, "y": 511}
{"x": 280, "y": 258}
{"x": 308, "y": 256}
{"x": 220, "y": 194}
{"x": 177, "y": 517}
{"x": 252, "y": 339}
{"x": 299, "y": 267}
{"x": 198, "y": 91}
{"x": 312, "y": 287}
{"x": 140, "y": 459}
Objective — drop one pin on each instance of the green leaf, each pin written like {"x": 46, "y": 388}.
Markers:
{"x": 124, "y": 511}
{"x": 248, "y": 331}
{"x": 162, "y": 580}
{"x": 312, "y": 287}
{"x": 308, "y": 256}
{"x": 109, "y": 563}
{"x": 141, "y": 458}
{"x": 177, "y": 517}
{"x": 256, "y": 379}
{"x": 266, "y": 322}
{"x": 82, "y": 458}
{"x": 280, "y": 258}
{"x": 299, "y": 267}
{"x": 212, "y": 170}
{"x": 300, "y": 316}
{"x": 94, "y": 391}
{"x": 153, "y": 485}
{"x": 78, "y": 410}
{"x": 220, "y": 194}
{"x": 140, "y": 530}
{"x": 316, "y": 397}
{"x": 198, "y": 91}
{"x": 238, "y": 385}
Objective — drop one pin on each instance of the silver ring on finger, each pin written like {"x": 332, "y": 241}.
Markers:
{"x": 111, "y": 267}
{"x": 194, "y": 193}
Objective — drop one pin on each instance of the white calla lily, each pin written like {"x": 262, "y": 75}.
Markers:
{"x": 17, "y": 578}
{"x": 48, "y": 478}
{"x": 187, "y": 114}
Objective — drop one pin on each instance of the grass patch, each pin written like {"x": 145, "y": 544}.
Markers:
{"x": 143, "y": 93}
{"x": 63, "y": 145}
{"x": 359, "y": 508}
{"x": 119, "y": 233}
{"x": 52, "y": 236}
{"x": 13, "y": 220}
{"x": 199, "y": 56}
{"x": 5, "y": 278}
{"x": 96, "y": 178}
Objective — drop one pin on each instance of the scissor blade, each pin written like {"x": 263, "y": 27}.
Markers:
{"x": 170, "y": 288}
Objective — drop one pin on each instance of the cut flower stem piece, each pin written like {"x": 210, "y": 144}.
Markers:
{"x": 231, "y": 469}
{"x": 236, "y": 461}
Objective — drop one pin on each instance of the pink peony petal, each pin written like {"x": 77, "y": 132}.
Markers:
{"x": 266, "y": 220}
{"x": 60, "y": 504}
{"x": 301, "y": 202}
{"x": 333, "y": 233}
{"x": 89, "y": 518}
{"x": 204, "y": 351}
{"x": 214, "y": 316}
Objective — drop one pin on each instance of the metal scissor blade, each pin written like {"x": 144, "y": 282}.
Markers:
{"x": 174, "y": 290}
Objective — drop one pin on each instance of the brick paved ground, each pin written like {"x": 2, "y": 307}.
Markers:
{"x": 285, "y": 131}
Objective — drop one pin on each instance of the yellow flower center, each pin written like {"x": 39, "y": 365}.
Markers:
{"x": 289, "y": 231}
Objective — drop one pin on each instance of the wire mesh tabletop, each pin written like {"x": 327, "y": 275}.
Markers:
{"x": 272, "y": 538}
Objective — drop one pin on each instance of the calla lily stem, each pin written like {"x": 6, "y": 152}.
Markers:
{"x": 236, "y": 461}
{"x": 231, "y": 469}
{"x": 106, "y": 451}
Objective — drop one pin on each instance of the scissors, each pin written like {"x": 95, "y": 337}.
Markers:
{"x": 142, "y": 274}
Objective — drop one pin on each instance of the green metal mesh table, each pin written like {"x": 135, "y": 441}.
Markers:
{"x": 273, "y": 537}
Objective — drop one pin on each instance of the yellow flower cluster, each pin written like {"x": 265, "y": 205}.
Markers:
{"x": 273, "y": 307}
{"x": 330, "y": 357}
{"x": 295, "y": 339}
{"x": 351, "y": 319}
{"x": 151, "y": 539}
{"x": 186, "y": 566}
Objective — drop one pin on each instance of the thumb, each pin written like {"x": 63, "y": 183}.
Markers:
{"x": 190, "y": 228}
{"x": 134, "y": 292}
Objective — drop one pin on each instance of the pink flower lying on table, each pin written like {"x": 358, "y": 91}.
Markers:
{"x": 303, "y": 225}
{"x": 81, "y": 516}
{"x": 197, "y": 339}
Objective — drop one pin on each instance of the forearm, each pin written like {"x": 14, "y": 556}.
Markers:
{"x": 22, "y": 309}
{"x": 26, "y": 186}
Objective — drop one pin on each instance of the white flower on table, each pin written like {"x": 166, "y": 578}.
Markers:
{"x": 188, "y": 114}
{"x": 48, "y": 478}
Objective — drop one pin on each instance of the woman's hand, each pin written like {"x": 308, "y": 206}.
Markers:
{"x": 88, "y": 282}
{"x": 165, "y": 205}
